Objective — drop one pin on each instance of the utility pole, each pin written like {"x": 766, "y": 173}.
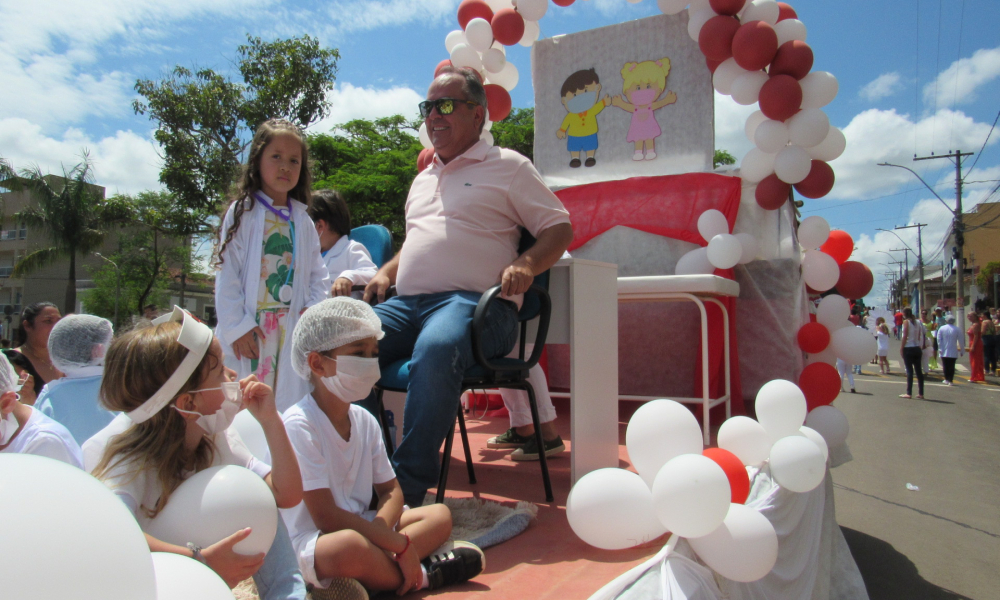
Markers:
{"x": 920, "y": 256}
{"x": 906, "y": 266}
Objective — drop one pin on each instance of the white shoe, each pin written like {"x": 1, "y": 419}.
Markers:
{"x": 650, "y": 155}
{"x": 637, "y": 155}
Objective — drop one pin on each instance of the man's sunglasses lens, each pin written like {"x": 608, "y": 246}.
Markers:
{"x": 445, "y": 106}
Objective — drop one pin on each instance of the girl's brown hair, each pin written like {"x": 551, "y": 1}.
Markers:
{"x": 137, "y": 364}
{"x": 241, "y": 198}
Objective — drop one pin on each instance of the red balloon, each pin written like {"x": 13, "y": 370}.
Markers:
{"x": 712, "y": 64}
{"x": 498, "y": 102}
{"x": 424, "y": 159}
{"x": 441, "y": 65}
{"x": 813, "y": 338}
{"x": 780, "y": 97}
{"x": 470, "y": 9}
{"x": 818, "y": 182}
{"x": 716, "y": 37}
{"x": 563, "y": 2}
{"x": 839, "y": 245}
{"x": 727, "y": 7}
{"x": 820, "y": 383}
{"x": 508, "y": 26}
{"x": 786, "y": 12}
{"x": 739, "y": 481}
{"x": 793, "y": 58}
{"x": 772, "y": 193}
{"x": 754, "y": 45}
{"x": 856, "y": 280}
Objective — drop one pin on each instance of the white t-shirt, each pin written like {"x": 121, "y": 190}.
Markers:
{"x": 142, "y": 489}
{"x": 43, "y": 436}
{"x": 351, "y": 260}
{"x": 348, "y": 469}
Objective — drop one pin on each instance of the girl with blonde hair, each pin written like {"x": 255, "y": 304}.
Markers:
{"x": 644, "y": 83}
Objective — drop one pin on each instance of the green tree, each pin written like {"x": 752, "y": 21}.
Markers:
{"x": 722, "y": 157}
{"x": 517, "y": 132}
{"x": 984, "y": 281}
{"x": 73, "y": 213}
{"x": 205, "y": 120}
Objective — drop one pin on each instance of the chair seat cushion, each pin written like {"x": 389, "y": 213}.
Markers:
{"x": 396, "y": 376}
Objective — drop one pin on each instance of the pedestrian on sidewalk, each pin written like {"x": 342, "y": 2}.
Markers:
{"x": 898, "y": 319}
{"x": 914, "y": 341}
{"x": 928, "y": 324}
{"x": 882, "y": 338}
{"x": 989, "y": 332}
{"x": 951, "y": 345}
{"x": 975, "y": 349}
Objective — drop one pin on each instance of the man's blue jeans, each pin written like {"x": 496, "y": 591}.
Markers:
{"x": 435, "y": 330}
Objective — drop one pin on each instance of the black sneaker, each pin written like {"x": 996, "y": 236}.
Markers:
{"x": 529, "y": 451}
{"x": 508, "y": 439}
{"x": 457, "y": 564}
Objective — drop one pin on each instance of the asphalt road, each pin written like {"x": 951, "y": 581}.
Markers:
{"x": 943, "y": 540}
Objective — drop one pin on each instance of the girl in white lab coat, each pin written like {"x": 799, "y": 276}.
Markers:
{"x": 348, "y": 262}
{"x": 269, "y": 265}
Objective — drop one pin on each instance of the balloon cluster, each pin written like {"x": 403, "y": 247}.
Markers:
{"x": 698, "y": 493}
{"x": 724, "y": 250}
{"x": 825, "y": 264}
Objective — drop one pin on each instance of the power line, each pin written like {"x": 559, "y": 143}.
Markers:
{"x": 984, "y": 146}
{"x": 870, "y": 199}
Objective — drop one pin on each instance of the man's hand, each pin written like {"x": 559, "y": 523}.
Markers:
{"x": 341, "y": 287}
{"x": 377, "y": 287}
{"x": 516, "y": 279}
{"x": 246, "y": 346}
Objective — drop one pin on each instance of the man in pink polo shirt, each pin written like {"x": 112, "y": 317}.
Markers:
{"x": 463, "y": 216}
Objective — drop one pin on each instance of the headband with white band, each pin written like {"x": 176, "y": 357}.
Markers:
{"x": 196, "y": 337}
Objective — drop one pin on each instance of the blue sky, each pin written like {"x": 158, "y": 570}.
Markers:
{"x": 915, "y": 76}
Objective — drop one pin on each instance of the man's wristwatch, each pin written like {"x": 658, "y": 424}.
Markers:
{"x": 196, "y": 552}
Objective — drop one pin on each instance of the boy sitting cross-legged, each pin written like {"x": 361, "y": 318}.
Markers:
{"x": 342, "y": 455}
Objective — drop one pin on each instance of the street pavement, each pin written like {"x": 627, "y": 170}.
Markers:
{"x": 942, "y": 540}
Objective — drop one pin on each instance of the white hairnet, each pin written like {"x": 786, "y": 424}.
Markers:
{"x": 332, "y": 323}
{"x": 79, "y": 341}
{"x": 8, "y": 376}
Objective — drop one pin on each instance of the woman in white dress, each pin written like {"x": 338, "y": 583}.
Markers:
{"x": 882, "y": 337}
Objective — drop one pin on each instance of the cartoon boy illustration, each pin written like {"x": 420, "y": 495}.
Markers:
{"x": 644, "y": 83}
{"x": 580, "y": 94}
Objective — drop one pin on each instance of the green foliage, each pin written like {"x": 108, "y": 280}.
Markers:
{"x": 984, "y": 281}
{"x": 722, "y": 157}
{"x": 205, "y": 120}
{"x": 517, "y": 132}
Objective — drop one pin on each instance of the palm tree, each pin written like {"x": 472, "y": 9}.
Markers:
{"x": 72, "y": 212}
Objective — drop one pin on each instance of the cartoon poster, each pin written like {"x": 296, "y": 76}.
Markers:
{"x": 633, "y": 99}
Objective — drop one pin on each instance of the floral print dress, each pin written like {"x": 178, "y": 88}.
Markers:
{"x": 276, "y": 271}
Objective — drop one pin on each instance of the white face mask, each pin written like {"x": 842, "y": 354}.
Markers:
{"x": 8, "y": 426}
{"x": 221, "y": 419}
{"x": 354, "y": 379}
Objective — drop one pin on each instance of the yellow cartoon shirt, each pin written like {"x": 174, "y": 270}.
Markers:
{"x": 582, "y": 124}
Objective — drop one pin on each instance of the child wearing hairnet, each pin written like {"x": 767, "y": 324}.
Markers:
{"x": 76, "y": 347}
{"x": 342, "y": 456}
{"x": 25, "y": 430}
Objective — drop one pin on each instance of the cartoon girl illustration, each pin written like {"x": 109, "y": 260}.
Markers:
{"x": 644, "y": 83}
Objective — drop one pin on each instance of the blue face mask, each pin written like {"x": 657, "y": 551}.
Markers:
{"x": 581, "y": 102}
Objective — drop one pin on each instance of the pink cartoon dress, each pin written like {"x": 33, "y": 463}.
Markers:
{"x": 643, "y": 126}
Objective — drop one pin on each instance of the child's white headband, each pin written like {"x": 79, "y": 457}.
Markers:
{"x": 196, "y": 337}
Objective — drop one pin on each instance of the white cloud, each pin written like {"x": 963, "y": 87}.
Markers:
{"x": 125, "y": 162}
{"x": 348, "y": 102}
{"x": 883, "y": 86}
{"x": 958, "y": 83}
{"x": 730, "y": 122}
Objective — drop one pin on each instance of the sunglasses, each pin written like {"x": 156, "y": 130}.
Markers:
{"x": 444, "y": 106}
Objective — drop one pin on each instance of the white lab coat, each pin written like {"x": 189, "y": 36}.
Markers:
{"x": 237, "y": 282}
{"x": 351, "y": 260}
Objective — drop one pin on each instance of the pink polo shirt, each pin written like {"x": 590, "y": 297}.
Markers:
{"x": 462, "y": 220}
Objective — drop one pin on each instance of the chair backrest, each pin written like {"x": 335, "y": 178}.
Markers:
{"x": 531, "y": 305}
{"x": 377, "y": 240}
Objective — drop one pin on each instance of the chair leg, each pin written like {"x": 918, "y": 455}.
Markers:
{"x": 465, "y": 444}
{"x": 445, "y": 464}
{"x": 539, "y": 439}
{"x": 390, "y": 444}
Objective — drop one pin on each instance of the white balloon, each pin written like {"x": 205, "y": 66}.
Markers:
{"x": 797, "y": 464}
{"x": 724, "y": 251}
{"x": 532, "y": 10}
{"x": 697, "y": 19}
{"x": 817, "y": 438}
{"x": 531, "y": 33}
{"x": 753, "y": 121}
{"x": 813, "y": 232}
{"x": 659, "y": 431}
{"x": 830, "y": 423}
{"x": 479, "y": 32}
{"x": 790, "y": 29}
{"x": 854, "y": 345}
{"x": 494, "y": 60}
{"x": 694, "y": 262}
{"x": 464, "y": 55}
{"x": 252, "y": 434}
{"x": 486, "y": 136}
{"x": 771, "y": 136}
{"x": 691, "y": 495}
{"x": 819, "y": 88}
{"x": 496, "y": 5}
{"x": 216, "y": 503}
{"x": 792, "y": 164}
{"x": 748, "y": 247}
{"x": 506, "y": 78}
{"x": 425, "y": 138}
{"x": 725, "y": 74}
{"x": 671, "y": 7}
{"x": 781, "y": 408}
{"x": 746, "y": 87}
{"x": 756, "y": 165}
{"x": 498, "y": 46}
{"x": 488, "y": 125}
{"x": 831, "y": 147}
{"x": 744, "y": 548}
{"x": 821, "y": 272}
{"x": 612, "y": 509}
{"x": 808, "y": 127}
{"x": 712, "y": 223}
{"x": 453, "y": 39}
{"x": 181, "y": 578}
{"x": 745, "y": 438}
{"x": 826, "y": 356}
{"x": 66, "y": 535}
{"x": 762, "y": 10}
{"x": 833, "y": 311}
